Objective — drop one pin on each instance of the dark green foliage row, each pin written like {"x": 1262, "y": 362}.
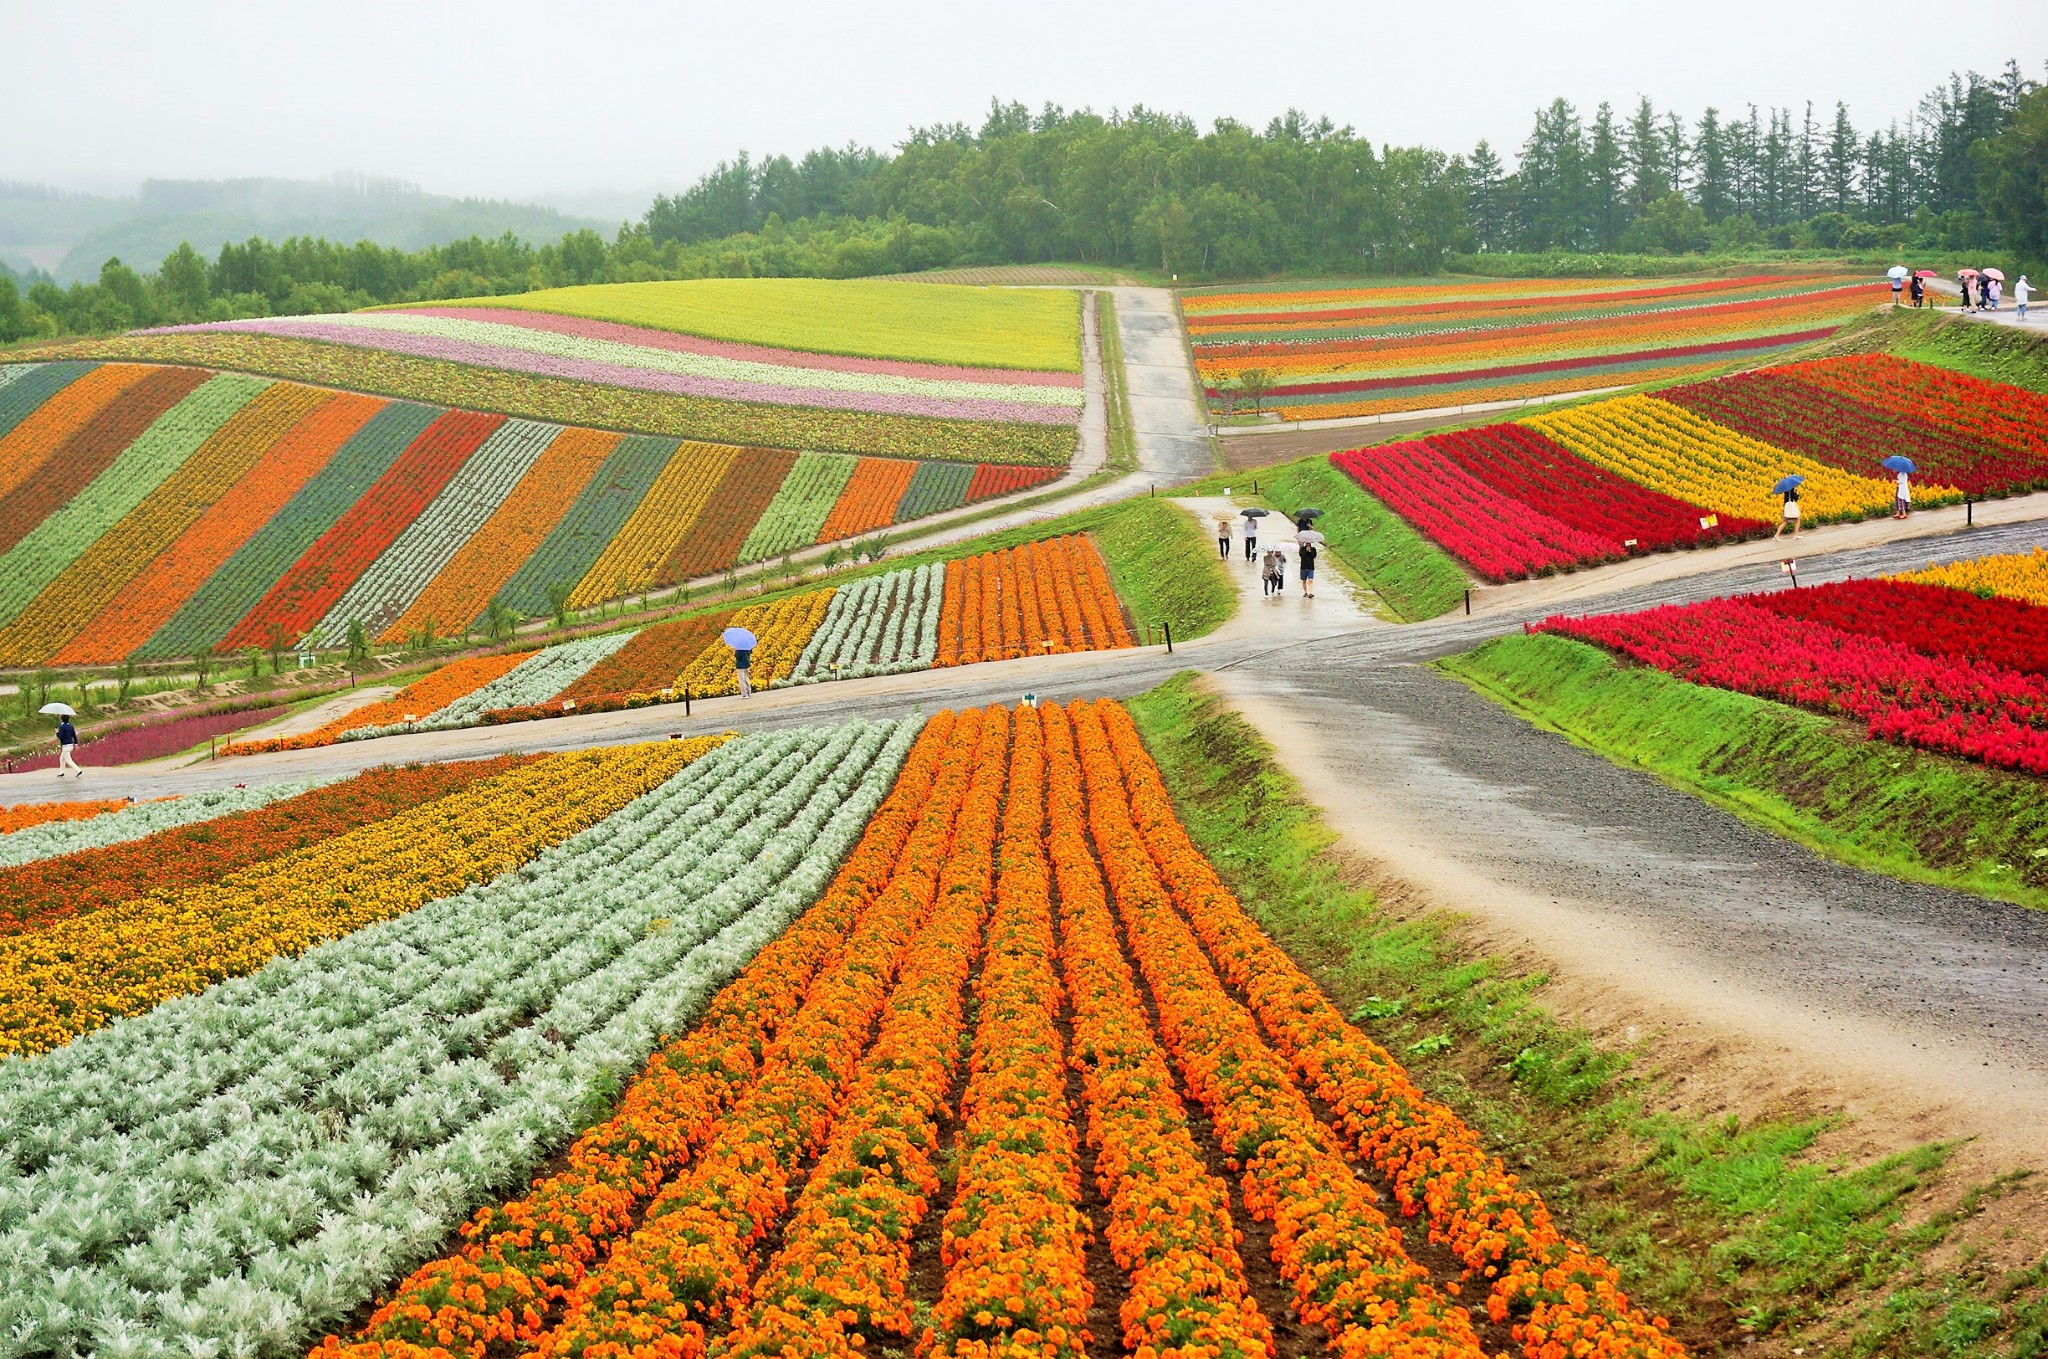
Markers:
{"x": 573, "y": 546}
{"x": 934, "y": 487}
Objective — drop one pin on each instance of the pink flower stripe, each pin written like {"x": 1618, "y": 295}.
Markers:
{"x": 1948, "y": 704}
{"x": 731, "y": 349}
{"x": 620, "y": 375}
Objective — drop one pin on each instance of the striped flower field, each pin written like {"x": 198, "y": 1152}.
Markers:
{"x": 1367, "y": 349}
{"x": 157, "y": 511}
{"x": 679, "y": 1049}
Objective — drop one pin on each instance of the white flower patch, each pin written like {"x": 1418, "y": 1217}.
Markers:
{"x": 880, "y": 625}
{"x": 234, "y": 1172}
{"x": 52, "y": 838}
{"x": 534, "y": 680}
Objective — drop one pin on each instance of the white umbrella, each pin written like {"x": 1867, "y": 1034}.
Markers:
{"x": 1898, "y": 271}
{"x": 1309, "y": 536}
{"x": 58, "y": 710}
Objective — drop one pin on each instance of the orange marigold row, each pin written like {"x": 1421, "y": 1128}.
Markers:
{"x": 1350, "y": 1272}
{"x": 520, "y": 1258}
{"x": 1566, "y": 1300}
{"x": 1169, "y": 1224}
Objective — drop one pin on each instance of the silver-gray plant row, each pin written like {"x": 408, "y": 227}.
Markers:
{"x": 52, "y": 838}
{"x": 880, "y": 625}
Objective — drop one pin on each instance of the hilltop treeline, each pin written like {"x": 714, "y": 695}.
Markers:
{"x": 1968, "y": 171}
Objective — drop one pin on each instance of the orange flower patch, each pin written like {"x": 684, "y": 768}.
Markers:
{"x": 427, "y": 694}
{"x": 870, "y": 498}
{"x": 26, "y": 814}
{"x": 1046, "y": 597}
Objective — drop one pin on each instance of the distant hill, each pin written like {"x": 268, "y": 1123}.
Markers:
{"x": 71, "y": 235}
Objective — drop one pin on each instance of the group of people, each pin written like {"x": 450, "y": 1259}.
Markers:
{"x": 1902, "y": 505}
{"x": 1273, "y": 561}
{"x": 1982, "y": 290}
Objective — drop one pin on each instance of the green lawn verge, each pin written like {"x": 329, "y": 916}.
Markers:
{"x": 1737, "y": 1230}
{"x": 1373, "y": 546}
{"x": 1164, "y": 566}
{"x": 1878, "y": 806}
{"x": 1123, "y": 437}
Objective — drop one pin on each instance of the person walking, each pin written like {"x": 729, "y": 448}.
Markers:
{"x": 1223, "y": 539}
{"x": 1251, "y": 536}
{"x": 1902, "y": 502}
{"x": 1963, "y": 282}
{"x": 1790, "y": 517}
{"x": 1918, "y": 288}
{"x": 1983, "y": 292}
{"x": 1275, "y": 576}
{"x": 67, "y": 749}
{"x": 2021, "y": 291}
{"x": 1898, "y": 286}
{"x": 1308, "y": 570}
{"x": 742, "y": 662}
{"x": 1997, "y": 292}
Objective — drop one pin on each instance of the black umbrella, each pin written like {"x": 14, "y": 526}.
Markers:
{"x": 1310, "y": 513}
{"x": 1256, "y": 514}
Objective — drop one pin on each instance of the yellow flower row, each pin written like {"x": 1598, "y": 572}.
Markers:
{"x": 633, "y": 558}
{"x": 783, "y": 628}
{"x": 86, "y": 972}
{"x": 1670, "y": 449}
{"x": 2016, "y": 575}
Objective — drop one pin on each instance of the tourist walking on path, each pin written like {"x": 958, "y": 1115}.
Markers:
{"x": 1308, "y": 570}
{"x": 1898, "y": 285}
{"x": 742, "y": 662}
{"x": 67, "y": 749}
{"x": 1919, "y": 291}
{"x": 1275, "y": 577}
{"x": 2021, "y": 291}
{"x": 1983, "y": 293}
{"x": 1963, "y": 280}
{"x": 1790, "y": 518}
{"x": 1997, "y": 291}
{"x": 1251, "y": 536}
{"x": 1902, "y": 503}
{"x": 1223, "y": 535}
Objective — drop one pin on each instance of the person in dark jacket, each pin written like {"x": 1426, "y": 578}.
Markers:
{"x": 742, "y": 662}
{"x": 67, "y": 749}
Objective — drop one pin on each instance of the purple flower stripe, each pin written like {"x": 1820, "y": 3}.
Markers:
{"x": 153, "y": 740}
{"x": 670, "y": 340}
{"x": 619, "y": 375}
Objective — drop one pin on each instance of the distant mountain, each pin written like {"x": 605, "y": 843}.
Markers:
{"x": 71, "y": 235}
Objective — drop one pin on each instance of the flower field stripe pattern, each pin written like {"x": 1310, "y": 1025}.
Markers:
{"x": 105, "y": 570}
{"x": 783, "y": 629}
{"x": 870, "y": 499}
{"x": 935, "y": 487}
{"x": 2009, "y": 416}
{"x": 33, "y": 384}
{"x": 135, "y": 821}
{"x": 163, "y": 586}
{"x": 315, "y": 583}
{"x": 741, "y": 497}
{"x": 1014, "y": 1241}
{"x": 542, "y": 674}
{"x": 1942, "y": 703}
{"x": 1564, "y": 1295}
{"x": 549, "y": 352}
{"x": 1510, "y": 502}
{"x": 1669, "y": 449}
{"x": 566, "y": 402}
{"x": 25, "y": 814}
{"x": 1169, "y": 1225}
{"x": 841, "y": 1278}
{"x": 459, "y": 595}
{"x": 242, "y": 581}
{"x": 522, "y": 1256}
{"x": 687, "y": 1265}
{"x": 1349, "y": 1270}
{"x": 1052, "y": 596}
{"x": 26, "y": 448}
{"x": 652, "y": 660}
{"x": 1845, "y": 432}
{"x": 565, "y": 975}
{"x": 991, "y": 479}
{"x": 663, "y": 520}
{"x": 1927, "y": 618}
{"x": 90, "y": 450}
{"x": 78, "y": 975}
{"x": 581, "y": 535}
{"x": 879, "y": 625}
{"x": 424, "y": 696}
{"x": 2017, "y": 575}
{"x": 40, "y": 893}
{"x": 800, "y": 507}
{"x": 403, "y": 570}
{"x": 42, "y": 554}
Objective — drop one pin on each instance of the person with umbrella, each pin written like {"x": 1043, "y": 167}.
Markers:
{"x": 67, "y": 739}
{"x": 742, "y": 643}
{"x": 1788, "y": 487}
{"x": 1917, "y": 285}
{"x": 1902, "y": 503}
{"x": 1964, "y": 279}
{"x": 1984, "y": 292}
{"x": 1309, "y": 543}
{"x": 1251, "y": 533}
{"x": 1994, "y": 286}
{"x": 1897, "y": 273}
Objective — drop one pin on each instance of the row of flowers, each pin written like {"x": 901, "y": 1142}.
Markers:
{"x": 425, "y": 695}
{"x": 78, "y": 975}
{"x": 520, "y": 1258}
{"x": 1561, "y": 1298}
{"x": 879, "y": 625}
{"x": 43, "y": 415}
{"x": 22, "y": 815}
{"x": 2015, "y": 575}
{"x": 801, "y": 506}
{"x": 1949, "y": 704}
{"x": 1050, "y": 596}
{"x": 1929, "y": 618}
{"x": 461, "y": 1070}
{"x": 782, "y": 629}
{"x": 568, "y": 401}
{"x": 133, "y": 821}
{"x": 637, "y": 555}
{"x": 2011, "y": 417}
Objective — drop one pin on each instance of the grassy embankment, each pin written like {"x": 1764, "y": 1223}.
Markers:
{"x": 1877, "y": 806}
{"x": 1737, "y": 1230}
{"x": 1947, "y": 340}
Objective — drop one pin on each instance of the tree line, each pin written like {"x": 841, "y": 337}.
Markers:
{"x": 1967, "y": 171}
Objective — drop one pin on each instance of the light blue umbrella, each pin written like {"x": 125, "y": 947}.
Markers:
{"x": 739, "y": 639}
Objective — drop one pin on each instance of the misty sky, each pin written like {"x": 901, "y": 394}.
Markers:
{"x": 516, "y": 99}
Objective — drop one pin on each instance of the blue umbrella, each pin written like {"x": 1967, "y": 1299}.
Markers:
{"x": 739, "y": 639}
{"x": 1785, "y": 484}
{"x": 1898, "y": 463}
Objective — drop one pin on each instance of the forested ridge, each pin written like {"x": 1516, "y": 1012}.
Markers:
{"x": 1967, "y": 171}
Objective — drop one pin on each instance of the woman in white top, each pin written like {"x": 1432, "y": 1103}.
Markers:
{"x": 1902, "y": 504}
{"x": 2021, "y": 291}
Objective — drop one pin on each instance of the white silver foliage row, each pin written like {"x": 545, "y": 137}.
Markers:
{"x": 234, "y": 1171}
{"x": 880, "y": 625}
{"x": 144, "y": 818}
{"x": 534, "y": 680}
